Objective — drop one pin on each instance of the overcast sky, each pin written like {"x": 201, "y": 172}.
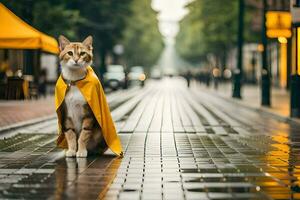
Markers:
{"x": 170, "y": 12}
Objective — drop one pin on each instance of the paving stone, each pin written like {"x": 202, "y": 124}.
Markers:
{"x": 151, "y": 196}
{"x": 129, "y": 195}
{"x": 178, "y": 145}
{"x": 196, "y": 195}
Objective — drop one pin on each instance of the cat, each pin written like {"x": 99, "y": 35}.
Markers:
{"x": 79, "y": 125}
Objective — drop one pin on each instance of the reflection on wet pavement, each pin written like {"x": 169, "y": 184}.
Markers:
{"x": 178, "y": 144}
{"x": 40, "y": 171}
{"x": 215, "y": 167}
{"x": 84, "y": 178}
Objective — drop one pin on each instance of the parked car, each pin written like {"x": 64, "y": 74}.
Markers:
{"x": 156, "y": 73}
{"x": 114, "y": 78}
{"x": 137, "y": 75}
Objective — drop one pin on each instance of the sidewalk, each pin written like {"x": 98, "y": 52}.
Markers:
{"x": 251, "y": 97}
{"x": 12, "y": 112}
{"x": 17, "y": 113}
{"x": 178, "y": 143}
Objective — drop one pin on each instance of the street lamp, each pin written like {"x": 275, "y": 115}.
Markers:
{"x": 238, "y": 72}
{"x": 275, "y": 24}
{"x": 118, "y": 50}
{"x": 283, "y": 61}
{"x": 295, "y": 72}
{"x": 265, "y": 74}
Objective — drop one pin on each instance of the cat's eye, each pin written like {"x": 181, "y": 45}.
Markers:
{"x": 82, "y": 53}
{"x": 70, "y": 53}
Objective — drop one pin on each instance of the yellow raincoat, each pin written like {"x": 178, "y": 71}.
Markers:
{"x": 91, "y": 89}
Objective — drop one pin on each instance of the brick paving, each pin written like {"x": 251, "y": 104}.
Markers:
{"x": 179, "y": 144}
{"x": 12, "y": 112}
{"x": 19, "y": 111}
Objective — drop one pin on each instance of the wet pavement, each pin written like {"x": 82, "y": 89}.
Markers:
{"x": 251, "y": 97}
{"x": 179, "y": 144}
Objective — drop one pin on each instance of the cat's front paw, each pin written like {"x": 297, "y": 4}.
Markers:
{"x": 70, "y": 153}
{"x": 81, "y": 154}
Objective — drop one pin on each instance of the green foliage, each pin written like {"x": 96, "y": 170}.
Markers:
{"x": 51, "y": 17}
{"x": 56, "y": 23}
{"x": 131, "y": 22}
{"x": 105, "y": 20}
{"x": 142, "y": 41}
{"x": 210, "y": 28}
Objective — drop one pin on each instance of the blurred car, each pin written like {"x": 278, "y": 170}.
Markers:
{"x": 114, "y": 78}
{"x": 137, "y": 75}
{"x": 156, "y": 74}
{"x": 170, "y": 72}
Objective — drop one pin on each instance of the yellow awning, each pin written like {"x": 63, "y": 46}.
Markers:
{"x": 16, "y": 34}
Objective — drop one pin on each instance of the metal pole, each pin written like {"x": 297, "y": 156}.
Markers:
{"x": 238, "y": 72}
{"x": 289, "y": 63}
{"x": 265, "y": 73}
{"x": 295, "y": 78}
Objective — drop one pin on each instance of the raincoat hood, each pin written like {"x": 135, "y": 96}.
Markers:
{"x": 92, "y": 90}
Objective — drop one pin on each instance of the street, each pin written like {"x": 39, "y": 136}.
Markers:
{"x": 179, "y": 143}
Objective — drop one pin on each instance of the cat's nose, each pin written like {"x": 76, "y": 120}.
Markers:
{"x": 76, "y": 59}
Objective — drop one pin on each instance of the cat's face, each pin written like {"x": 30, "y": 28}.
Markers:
{"x": 75, "y": 55}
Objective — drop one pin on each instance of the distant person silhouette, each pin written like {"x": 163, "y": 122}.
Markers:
{"x": 188, "y": 77}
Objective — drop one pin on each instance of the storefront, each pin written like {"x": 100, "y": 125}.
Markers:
{"x": 22, "y": 49}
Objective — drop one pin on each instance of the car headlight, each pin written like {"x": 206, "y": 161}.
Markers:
{"x": 142, "y": 77}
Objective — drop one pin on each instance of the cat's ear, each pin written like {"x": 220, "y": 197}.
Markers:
{"x": 63, "y": 42}
{"x": 88, "y": 42}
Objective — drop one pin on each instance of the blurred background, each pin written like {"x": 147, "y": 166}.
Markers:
{"x": 217, "y": 44}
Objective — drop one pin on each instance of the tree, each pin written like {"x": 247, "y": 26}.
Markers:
{"x": 130, "y": 22}
{"x": 51, "y": 17}
{"x": 210, "y": 28}
{"x": 105, "y": 20}
{"x": 142, "y": 40}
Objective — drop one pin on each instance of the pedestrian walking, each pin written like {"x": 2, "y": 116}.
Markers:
{"x": 216, "y": 76}
{"x": 188, "y": 77}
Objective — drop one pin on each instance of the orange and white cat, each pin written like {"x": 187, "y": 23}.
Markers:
{"x": 79, "y": 125}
